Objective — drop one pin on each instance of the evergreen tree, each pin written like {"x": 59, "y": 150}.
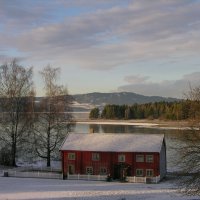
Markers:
{"x": 94, "y": 113}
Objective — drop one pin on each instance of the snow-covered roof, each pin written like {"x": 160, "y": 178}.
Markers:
{"x": 113, "y": 142}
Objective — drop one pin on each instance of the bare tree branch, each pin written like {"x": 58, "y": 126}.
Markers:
{"x": 54, "y": 120}
{"x": 189, "y": 150}
{"x": 16, "y": 88}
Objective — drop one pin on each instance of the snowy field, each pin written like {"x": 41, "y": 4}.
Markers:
{"x": 49, "y": 189}
{"x": 106, "y": 122}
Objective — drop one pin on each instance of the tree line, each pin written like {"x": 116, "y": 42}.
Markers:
{"x": 179, "y": 110}
{"x": 27, "y": 125}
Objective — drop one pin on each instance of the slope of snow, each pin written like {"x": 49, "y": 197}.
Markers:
{"x": 113, "y": 142}
{"x": 82, "y": 105}
{"x": 42, "y": 189}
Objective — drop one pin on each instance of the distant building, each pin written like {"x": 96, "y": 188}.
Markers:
{"x": 117, "y": 155}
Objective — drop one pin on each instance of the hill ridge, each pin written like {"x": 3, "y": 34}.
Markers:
{"x": 100, "y": 99}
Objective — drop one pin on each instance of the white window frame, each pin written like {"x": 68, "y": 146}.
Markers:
{"x": 95, "y": 156}
{"x": 149, "y": 158}
{"x": 139, "y": 174}
{"x": 103, "y": 170}
{"x": 121, "y": 158}
{"x": 151, "y": 173}
{"x": 139, "y": 158}
{"x": 89, "y": 170}
{"x": 71, "y": 156}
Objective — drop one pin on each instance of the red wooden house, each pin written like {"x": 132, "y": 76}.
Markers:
{"x": 119, "y": 155}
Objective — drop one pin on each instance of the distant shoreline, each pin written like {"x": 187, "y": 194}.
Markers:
{"x": 162, "y": 124}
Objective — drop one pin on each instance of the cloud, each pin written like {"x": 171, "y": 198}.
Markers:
{"x": 107, "y": 37}
{"x": 193, "y": 77}
{"x": 23, "y": 14}
{"x": 167, "y": 88}
{"x": 135, "y": 79}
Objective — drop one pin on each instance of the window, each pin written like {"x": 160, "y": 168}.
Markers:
{"x": 139, "y": 172}
{"x": 89, "y": 170}
{"x": 149, "y": 172}
{"x": 139, "y": 158}
{"x": 71, "y": 156}
{"x": 103, "y": 170}
{"x": 95, "y": 156}
{"x": 121, "y": 158}
{"x": 149, "y": 158}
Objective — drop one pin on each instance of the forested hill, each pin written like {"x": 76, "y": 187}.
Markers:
{"x": 120, "y": 98}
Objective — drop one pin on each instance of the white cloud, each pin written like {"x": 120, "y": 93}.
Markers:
{"x": 105, "y": 38}
{"x": 135, "y": 79}
{"x": 167, "y": 88}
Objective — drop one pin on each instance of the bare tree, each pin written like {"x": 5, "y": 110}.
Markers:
{"x": 53, "y": 121}
{"x": 189, "y": 150}
{"x": 16, "y": 91}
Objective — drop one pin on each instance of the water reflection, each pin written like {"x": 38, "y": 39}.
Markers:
{"x": 108, "y": 128}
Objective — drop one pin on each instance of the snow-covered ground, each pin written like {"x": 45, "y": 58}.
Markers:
{"x": 139, "y": 124}
{"x": 43, "y": 189}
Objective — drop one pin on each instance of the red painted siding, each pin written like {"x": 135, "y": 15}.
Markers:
{"x": 146, "y": 165}
{"x": 108, "y": 160}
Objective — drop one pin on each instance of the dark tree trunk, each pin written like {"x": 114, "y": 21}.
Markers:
{"x": 48, "y": 158}
{"x": 13, "y": 156}
{"x": 48, "y": 148}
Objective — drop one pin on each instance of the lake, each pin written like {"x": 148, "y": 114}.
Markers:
{"x": 173, "y": 137}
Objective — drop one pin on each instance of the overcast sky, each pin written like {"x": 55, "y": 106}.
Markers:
{"x": 150, "y": 47}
